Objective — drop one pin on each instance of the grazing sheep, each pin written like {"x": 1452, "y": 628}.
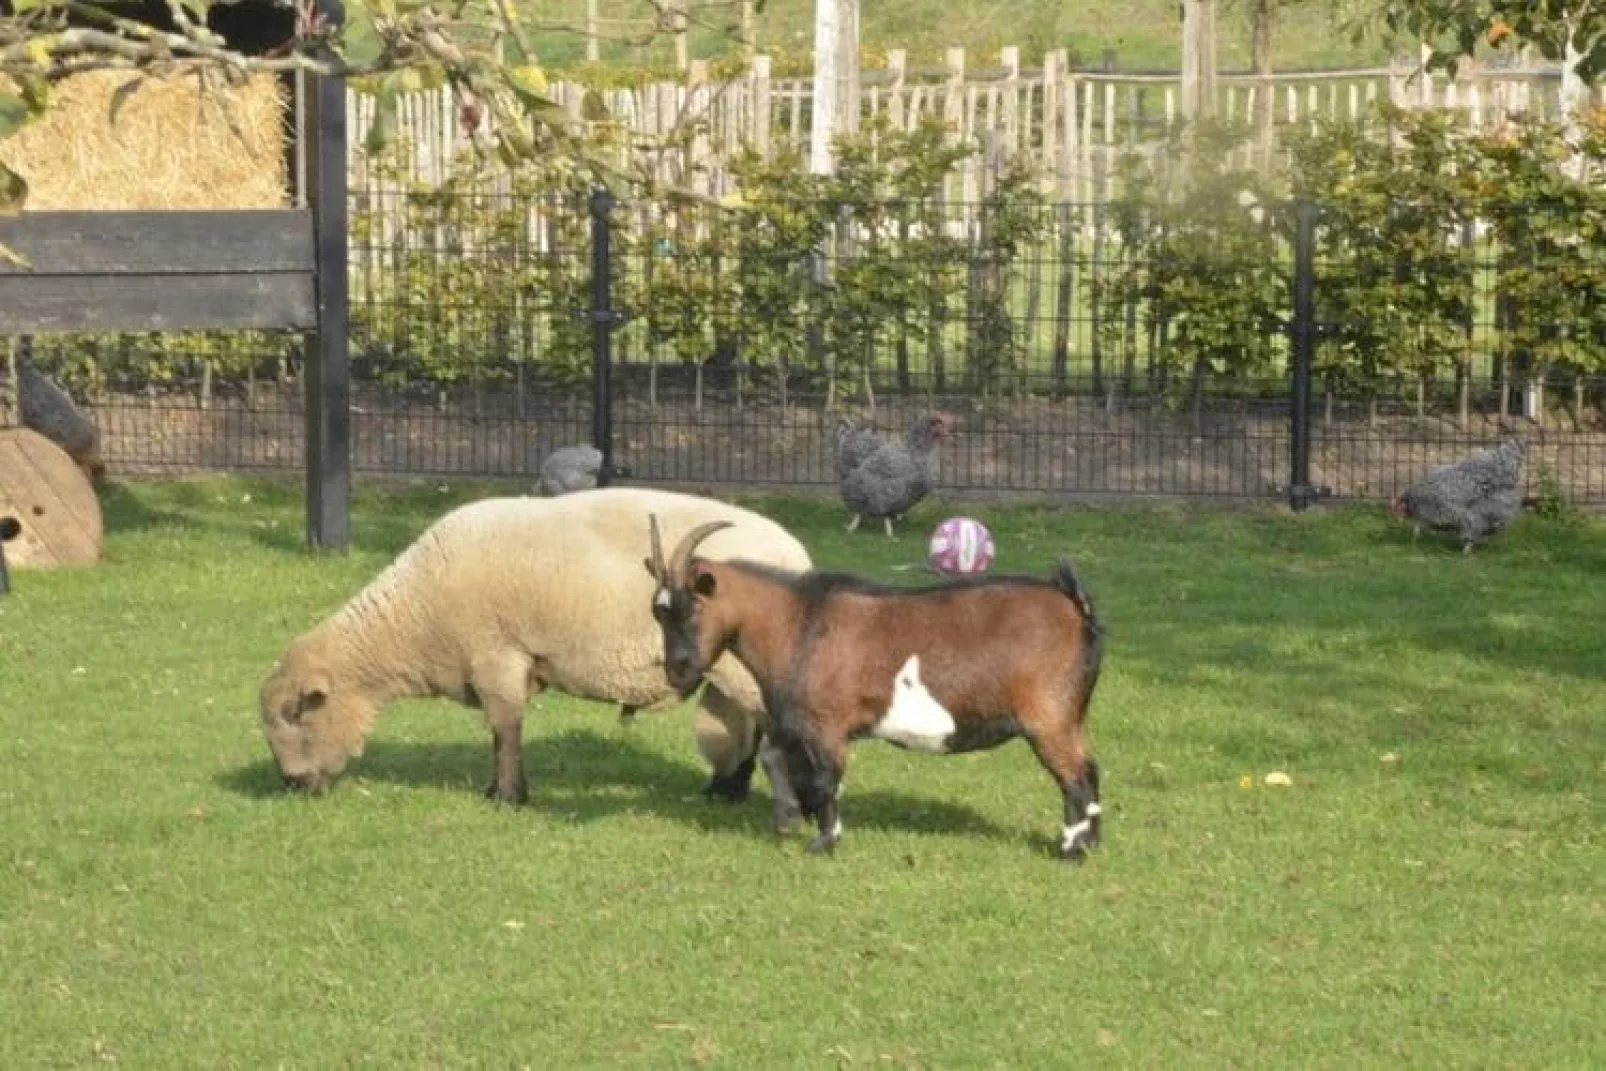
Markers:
{"x": 951, "y": 668}
{"x": 502, "y": 598}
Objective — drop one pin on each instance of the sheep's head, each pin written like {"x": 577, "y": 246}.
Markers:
{"x": 693, "y": 638}
{"x": 312, "y": 724}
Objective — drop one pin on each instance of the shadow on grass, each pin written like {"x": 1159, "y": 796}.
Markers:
{"x": 581, "y": 776}
{"x": 124, "y": 510}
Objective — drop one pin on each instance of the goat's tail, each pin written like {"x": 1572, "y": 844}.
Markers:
{"x": 1091, "y": 655}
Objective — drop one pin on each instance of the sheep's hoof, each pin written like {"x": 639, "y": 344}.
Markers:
{"x": 732, "y": 786}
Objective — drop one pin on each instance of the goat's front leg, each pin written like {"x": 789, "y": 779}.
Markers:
{"x": 827, "y": 790}
{"x": 784, "y": 807}
{"x": 813, "y": 768}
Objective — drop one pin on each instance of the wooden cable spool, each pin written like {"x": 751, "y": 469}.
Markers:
{"x": 49, "y": 514}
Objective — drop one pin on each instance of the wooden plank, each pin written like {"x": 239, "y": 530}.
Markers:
{"x": 174, "y": 243}
{"x": 52, "y": 303}
{"x": 328, "y": 366}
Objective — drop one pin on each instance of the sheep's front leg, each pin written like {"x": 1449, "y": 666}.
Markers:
{"x": 503, "y": 685}
{"x": 728, "y": 734}
{"x": 507, "y": 752}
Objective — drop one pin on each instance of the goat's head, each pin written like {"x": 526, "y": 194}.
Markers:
{"x": 693, "y": 636}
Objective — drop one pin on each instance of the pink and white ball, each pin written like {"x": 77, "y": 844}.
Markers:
{"x": 961, "y": 546}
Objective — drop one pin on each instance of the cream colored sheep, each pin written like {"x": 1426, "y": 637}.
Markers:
{"x": 502, "y": 598}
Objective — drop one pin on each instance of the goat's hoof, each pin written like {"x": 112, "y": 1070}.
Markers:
{"x": 783, "y": 817}
{"x": 822, "y": 845}
{"x": 1076, "y": 849}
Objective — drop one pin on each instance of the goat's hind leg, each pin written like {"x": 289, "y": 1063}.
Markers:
{"x": 1065, "y": 756}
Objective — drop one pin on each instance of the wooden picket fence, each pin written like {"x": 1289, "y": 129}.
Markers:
{"x": 1072, "y": 123}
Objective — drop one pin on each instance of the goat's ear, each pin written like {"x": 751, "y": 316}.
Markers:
{"x": 704, "y": 583}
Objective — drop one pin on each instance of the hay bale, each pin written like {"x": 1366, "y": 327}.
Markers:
{"x": 173, "y": 147}
{"x": 49, "y": 514}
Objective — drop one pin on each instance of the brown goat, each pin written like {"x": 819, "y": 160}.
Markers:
{"x": 838, "y": 657}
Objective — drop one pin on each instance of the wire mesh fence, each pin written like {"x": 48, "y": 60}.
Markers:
{"x": 1081, "y": 349}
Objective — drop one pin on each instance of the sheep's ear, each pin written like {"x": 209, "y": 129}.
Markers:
{"x": 309, "y": 700}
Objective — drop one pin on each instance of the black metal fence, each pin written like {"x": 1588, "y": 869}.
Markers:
{"x": 1080, "y": 354}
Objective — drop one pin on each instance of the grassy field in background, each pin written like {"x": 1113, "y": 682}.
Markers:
{"x": 1430, "y": 890}
{"x": 1144, "y": 34}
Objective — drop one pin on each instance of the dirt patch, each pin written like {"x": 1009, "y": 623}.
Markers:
{"x": 1027, "y": 447}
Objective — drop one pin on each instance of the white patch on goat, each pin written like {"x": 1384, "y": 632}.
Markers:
{"x": 1075, "y": 833}
{"x": 661, "y": 599}
{"x": 914, "y": 719}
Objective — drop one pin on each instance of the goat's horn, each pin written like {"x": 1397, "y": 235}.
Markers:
{"x": 681, "y": 558}
{"x": 657, "y": 550}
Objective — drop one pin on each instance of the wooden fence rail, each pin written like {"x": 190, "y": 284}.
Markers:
{"x": 1072, "y": 123}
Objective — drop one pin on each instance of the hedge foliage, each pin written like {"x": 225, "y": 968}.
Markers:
{"x": 1428, "y": 233}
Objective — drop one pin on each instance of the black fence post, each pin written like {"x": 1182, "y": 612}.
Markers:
{"x": 1302, "y": 345}
{"x": 328, "y": 365}
{"x": 602, "y": 318}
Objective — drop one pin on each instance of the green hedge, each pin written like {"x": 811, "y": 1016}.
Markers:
{"x": 1442, "y": 257}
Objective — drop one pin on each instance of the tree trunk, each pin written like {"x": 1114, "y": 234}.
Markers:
{"x": 836, "y": 79}
{"x": 1573, "y": 99}
{"x": 1198, "y": 59}
{"x": 1260, "y": 60}
{"x": 1063, "y": 294}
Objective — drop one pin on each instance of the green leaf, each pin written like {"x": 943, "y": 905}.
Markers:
{"x": 22, "y": 7}
{"x": 361, "y": 44}
{"x": 13, "y": 192}
{"x": 14, "y": 114}
{"x": 527, "y": 79}
{"x": 120, "y": 97}
{"x": 593, "y": 108}
{"x": 383, "y": 130}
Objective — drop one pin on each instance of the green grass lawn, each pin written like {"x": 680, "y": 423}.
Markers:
{"x": 1430, "y": 890}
